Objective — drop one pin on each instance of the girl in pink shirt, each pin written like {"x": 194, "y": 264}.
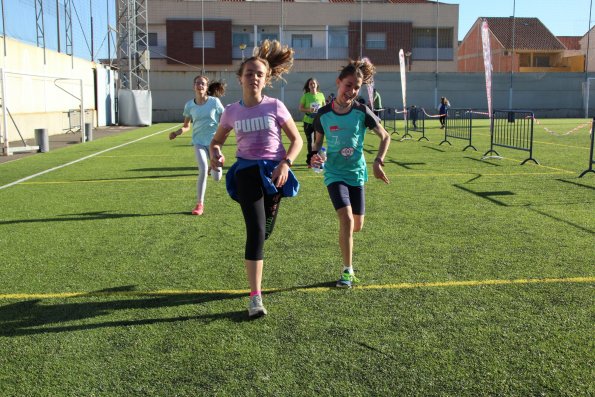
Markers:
{"x": 261, "y": 174}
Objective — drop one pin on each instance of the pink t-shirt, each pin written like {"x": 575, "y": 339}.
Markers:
{"x": 257, "y": 128}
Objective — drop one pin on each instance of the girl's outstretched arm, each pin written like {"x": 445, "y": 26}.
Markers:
{"x": 217, "y": 142}
{"x": 316, "y": 161}
{"x": 185, "y": 127}
{"x": 382, "y": 149}
{"x": 280, "y": 173}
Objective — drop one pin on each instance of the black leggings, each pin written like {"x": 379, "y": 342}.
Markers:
{"x": 309, "y": 132}
{"x": 259, "y": 209}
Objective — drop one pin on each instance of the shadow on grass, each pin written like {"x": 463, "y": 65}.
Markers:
{"x": 434, "y": 148}
{"x": 402, "y": 164}
{"x": 37, "y": 316}
{"x": 87, "y": 216}
{"x": 488, "y": 195}
{"x": 558, "y": 219}
{"x": 482, "y": 161}
{"x": 476, "y": 177}
{"x": 576, "y": 184}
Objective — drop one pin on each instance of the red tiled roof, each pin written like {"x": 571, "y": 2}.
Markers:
{"x": 529, "y": 34}
{"x": 409, "y": 1}
{"x": 570, "y": 42}
{"x": 387, "y": 1}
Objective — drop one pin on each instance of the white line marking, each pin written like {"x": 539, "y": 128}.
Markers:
{"x": 83, "y": 158}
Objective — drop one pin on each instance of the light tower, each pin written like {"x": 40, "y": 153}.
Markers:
{"x": 134, "y": 95}
{"x": 133, "y": 44}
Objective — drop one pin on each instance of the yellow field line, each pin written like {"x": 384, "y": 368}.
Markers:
{"x": 559, "y": 144}
{"x": 467, "y": 283}
{"x": 543, "y": 166}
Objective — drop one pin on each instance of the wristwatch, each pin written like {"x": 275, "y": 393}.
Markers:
{"x": 288, "y": 161}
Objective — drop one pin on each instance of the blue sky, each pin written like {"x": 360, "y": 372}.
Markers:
{"x": 20, "y": 17}
{"x": 561, "y": 17}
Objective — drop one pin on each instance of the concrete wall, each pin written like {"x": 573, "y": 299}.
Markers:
{"x": 41, "y": 87}
{"x": 547, "y": 94}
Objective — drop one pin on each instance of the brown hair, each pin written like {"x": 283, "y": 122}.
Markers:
{"x": 362, "y": 69}
{"x": 307, "y": 85}
{"x": 277, "y": 58}
{"x": 216, "y": 88}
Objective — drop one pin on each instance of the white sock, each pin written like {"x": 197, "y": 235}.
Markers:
{"x": 348, "y": 268}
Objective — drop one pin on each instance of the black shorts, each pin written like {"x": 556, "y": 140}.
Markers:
{"x": 343, "y": 195}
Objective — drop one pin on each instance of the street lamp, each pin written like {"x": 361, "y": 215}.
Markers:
{"x": 242, "y": 47}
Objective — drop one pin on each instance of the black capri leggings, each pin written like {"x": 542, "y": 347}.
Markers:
{"x": 259, "y": 209}
{"x": 309, "y": 132}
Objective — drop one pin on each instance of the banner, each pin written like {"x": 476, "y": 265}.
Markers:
{"x": 487, "y": 62}
{"x": 403, "y": 80}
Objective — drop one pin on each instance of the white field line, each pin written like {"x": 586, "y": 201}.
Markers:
{"x": 83, "y": 158}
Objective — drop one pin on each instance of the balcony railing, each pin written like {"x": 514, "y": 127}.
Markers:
{"x": 429, "y": 54}
{"x": 158, "y": 51}
{"x": 303, "y": 53}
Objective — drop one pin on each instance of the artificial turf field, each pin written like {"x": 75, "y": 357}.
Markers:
{"x": 476, "y": 275}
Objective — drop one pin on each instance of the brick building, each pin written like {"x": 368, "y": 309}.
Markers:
{"x": 323, "y": 33}
{"x": 523, "y": 44}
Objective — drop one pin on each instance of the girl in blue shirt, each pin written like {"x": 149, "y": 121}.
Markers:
{"x": 204, "y": 112}
{"x": 343, "y": 123}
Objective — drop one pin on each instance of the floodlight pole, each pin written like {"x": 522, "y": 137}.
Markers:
{"x": 202, "y": 26}
{"x": 58, "y": 23}
{"x": 3, "y": 27}
{"x": 281, "y": 42}
{"x": 512, "y": 55}
{"x": 361, "y": 28}
{"x": 92, "y": 32}
{"x": 40, "y": 30}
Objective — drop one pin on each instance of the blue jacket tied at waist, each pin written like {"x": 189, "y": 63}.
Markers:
{"x": 290, "y": 189}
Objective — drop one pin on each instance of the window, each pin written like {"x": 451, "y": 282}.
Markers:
{"x": 240, "y": 38}
{"x": 264, "y": 36}
{"x": 376, "y": 41}
{"x": 301, "y": 41}
{"x": 152, "y": 39}
{"x": 426, "y": 38}
{"x": 337, "y": 38}
{"x": 429, "y": 44}
{"x": 542, "y": 61}
{"x": 209, "y": 39}
{"x": 534, "y": 60}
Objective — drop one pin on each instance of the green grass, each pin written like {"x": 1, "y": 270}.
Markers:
{"x": 158, "y": 304}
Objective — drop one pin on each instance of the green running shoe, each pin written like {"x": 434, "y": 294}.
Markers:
{"x": 347, "y": 280}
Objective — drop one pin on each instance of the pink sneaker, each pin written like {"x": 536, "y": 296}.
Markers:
{"x": 198, "y": 210}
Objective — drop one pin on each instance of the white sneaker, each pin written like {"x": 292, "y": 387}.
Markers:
{"x": 256, "y": 308}
{"x": 217, "y": 174}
